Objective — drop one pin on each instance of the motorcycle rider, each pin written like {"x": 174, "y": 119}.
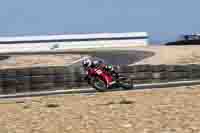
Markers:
{"x": 87, "y": 62}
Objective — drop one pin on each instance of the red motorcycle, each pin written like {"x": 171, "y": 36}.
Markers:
{"x": 103, "y": 80}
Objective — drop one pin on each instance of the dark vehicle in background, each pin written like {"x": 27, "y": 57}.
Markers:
{"x": 187, "y": 39}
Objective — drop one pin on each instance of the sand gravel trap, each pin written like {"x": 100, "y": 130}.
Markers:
{"x": 173, "y": 110}
{"x": 171, "y": 55}
{"x": 20, "y": 61}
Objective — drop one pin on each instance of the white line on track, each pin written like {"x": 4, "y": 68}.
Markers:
{"x": 91, "y": 90}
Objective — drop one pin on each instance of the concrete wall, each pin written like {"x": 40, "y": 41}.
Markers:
{"x": 51, "y": 78}
{"x": 43, "y": 47}
{"x": 63, "y": 42}
{"x": 70, "y": 37}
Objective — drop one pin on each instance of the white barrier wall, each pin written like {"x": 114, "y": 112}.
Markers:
{"x": 64, "y": 42}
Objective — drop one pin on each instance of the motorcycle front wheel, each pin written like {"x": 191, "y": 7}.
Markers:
{"x": 99, "y": 84}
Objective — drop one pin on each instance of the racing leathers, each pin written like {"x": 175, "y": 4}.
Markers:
{"x": 106, "y": 67}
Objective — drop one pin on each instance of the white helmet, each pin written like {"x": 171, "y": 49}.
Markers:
{"x": 86, "y": 62}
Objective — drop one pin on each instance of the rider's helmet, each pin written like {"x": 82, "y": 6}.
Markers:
{"x": 86, "y": 62}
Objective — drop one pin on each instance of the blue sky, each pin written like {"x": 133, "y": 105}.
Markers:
{"x": 163, "y": 19}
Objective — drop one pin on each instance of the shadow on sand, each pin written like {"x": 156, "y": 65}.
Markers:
{"x": 2, "y": 57}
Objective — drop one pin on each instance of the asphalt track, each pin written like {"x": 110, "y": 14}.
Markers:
{"x": 92, "y": 91}
{"x": 115, "y": 57}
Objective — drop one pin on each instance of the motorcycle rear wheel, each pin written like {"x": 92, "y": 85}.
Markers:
{"x": 126, "y": 83}
{"x": 127, "y": 86}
